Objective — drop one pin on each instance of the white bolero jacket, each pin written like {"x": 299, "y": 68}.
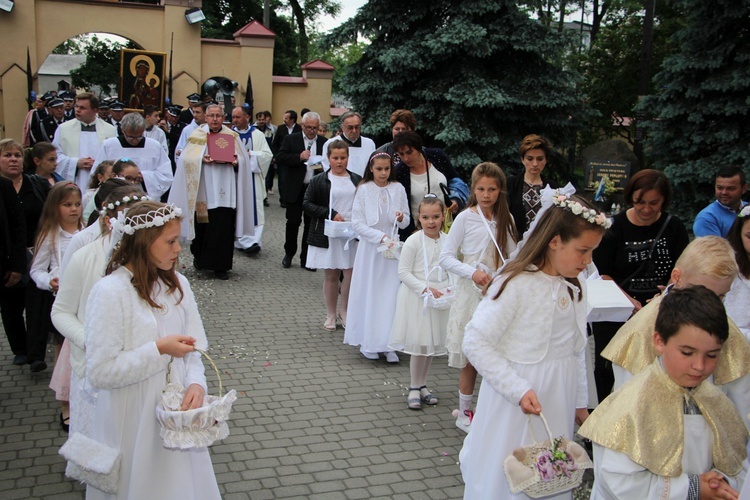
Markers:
{"x": 121, "y": 334}
{"x": 517, "y": 328}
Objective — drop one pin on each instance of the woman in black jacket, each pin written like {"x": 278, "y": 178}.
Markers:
{"x": 524, "y": 190}
{"x": 330, "y": 196}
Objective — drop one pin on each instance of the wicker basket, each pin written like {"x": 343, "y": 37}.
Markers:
{"x": 523, "y": 473}
{"x": 196, "y": 428}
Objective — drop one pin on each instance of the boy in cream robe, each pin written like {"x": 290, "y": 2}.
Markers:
{"x": 667, "y": 434}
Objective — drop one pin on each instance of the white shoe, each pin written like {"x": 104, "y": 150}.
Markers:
{"x": 371, "y": 355}
{"x": 391, "y": 357}
{"x": 463, "y": 422}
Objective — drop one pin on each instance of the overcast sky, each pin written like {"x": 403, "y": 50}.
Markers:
{"x": 348, "y": 9}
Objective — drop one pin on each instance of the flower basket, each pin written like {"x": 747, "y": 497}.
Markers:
{"x": 196, "y": 428}
{"x": 546, "y": 468}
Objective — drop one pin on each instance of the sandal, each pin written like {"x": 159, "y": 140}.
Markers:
{"x": 414, "y": 403}
{"x": 342, "y": 318}
{"x": 426, "y": 396}
{"x": 330, "y": 323}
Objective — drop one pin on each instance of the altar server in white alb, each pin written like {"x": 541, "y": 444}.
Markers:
{"x": 218, "y": 203}
{"x": 78, "y": 141}
{"x": 260, "y": 155}
{"x": 152, "y": 116}
{"x": 360, "y": 148}
{"x": 151, "y": 158}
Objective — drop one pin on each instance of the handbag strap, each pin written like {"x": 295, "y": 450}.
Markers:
{"x": 492, "y": 236}
{"x": 650, "y": 253}
{"x": 427, "y": 270}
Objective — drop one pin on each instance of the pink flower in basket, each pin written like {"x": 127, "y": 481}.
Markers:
{"x": 554, "y": 463}
{"x": 545, "y": 466}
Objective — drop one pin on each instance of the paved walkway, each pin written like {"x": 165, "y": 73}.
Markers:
{"x": 314, "y": 419}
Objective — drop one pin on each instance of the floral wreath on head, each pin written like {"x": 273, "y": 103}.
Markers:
{"x": 153, "y": 218}
{"x": 589, "y": 214}
{"x": 744, "y": 212}
{"x": 126, "y": 200}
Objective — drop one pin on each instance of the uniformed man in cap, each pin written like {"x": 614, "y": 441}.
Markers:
{"x": 104, "y": 111}
{"x": 186, "y": 116}
{"x": 174, "y": 129}
{"x": 117, "y": 110}
{"x": 37, "y": 116}
{"x": 54, "y": 119}
{"x": 69, "y": 99}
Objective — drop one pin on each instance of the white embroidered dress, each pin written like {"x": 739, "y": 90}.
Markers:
{"x": 372, "y": 296}
{"x": 416, "y": 330}
{"x": 123, "y": 362}
{"x": 501, "y": 332}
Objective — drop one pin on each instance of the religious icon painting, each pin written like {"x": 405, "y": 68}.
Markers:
{"x": 142, "y": 78}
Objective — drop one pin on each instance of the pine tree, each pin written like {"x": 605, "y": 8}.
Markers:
{"x": 701, "y": 120}
{"x": 478, "y": 75}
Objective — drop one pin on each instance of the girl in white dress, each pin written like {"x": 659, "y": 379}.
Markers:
{"x": 379, "y": 205}
{"x": 331, "y": 195}
{"x": 138, "y": 316}
{"x": 60, "y": 220}
{"x": 419, "y": 330}
{"x": 527, "y": 339}
{"x": 79, "y": 273}
{"x": 737, "y": 300}
{"x": 484, "y": 234}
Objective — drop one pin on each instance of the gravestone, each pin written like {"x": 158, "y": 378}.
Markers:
{"x": 612, "y": 158}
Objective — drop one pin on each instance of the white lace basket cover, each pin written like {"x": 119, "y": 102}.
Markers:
{"x": 195, "y": 428}
{"x": 523, "y": 474}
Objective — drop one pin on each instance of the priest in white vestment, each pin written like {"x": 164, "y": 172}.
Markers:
{"x": 151, "y": 158}
{"x": 360, "y": 148}
{"x": 78, "y": 141}
{"x": 260, "y": 155}
{"x": 212, "y": 196}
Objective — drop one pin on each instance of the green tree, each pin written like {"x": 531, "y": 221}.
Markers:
{"x": 477, "y": 75}
{"x": 305, "y": 13}
{"x": 341, "y": 57}
{"x": 611, "y": 67}
{"x": 700, "y": 116}
{"x": 71, "y": 46}
{"x": 102, "y": 66}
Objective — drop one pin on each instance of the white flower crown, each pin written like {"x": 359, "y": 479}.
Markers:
{"x": 591, "y": 215}
{"x": 744, "y": 212}
{"x": 154, "y": 218}
{"x": 125, "y": 201}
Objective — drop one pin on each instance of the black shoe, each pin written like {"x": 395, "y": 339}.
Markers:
{"x": 265, "y": 203}
{"x": 286, "y": 262}
{"x": 196, "y": 266}
{"x": 254, "y": 249}
{"x": 309, "y": 269}
{"x": 64, "y": 423}
{"x": 283, "y": 205}
{"x": 221, "y": 275}
{"x": 20, "y": 359}
{"x": 38, "y": 366}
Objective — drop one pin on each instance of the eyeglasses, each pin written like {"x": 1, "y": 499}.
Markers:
{"x": 132, "y": 137}
{"x": 215, "y": 117}
{"x": 311, "y": 128}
